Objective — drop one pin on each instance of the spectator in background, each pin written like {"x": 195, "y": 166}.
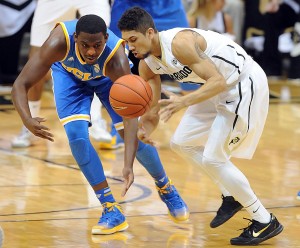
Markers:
{"x": 209, "y": 15}
{"x": 278, "y": 16}
{"x": 15, "y": 21}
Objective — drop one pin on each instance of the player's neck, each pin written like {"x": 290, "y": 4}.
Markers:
{"x": 156, "y": 49}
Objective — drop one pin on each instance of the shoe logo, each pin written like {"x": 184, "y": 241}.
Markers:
{"x": 256, "y": 234}
{"x": 161, "y": 180}
{"x": 158, "y": 68}
{"x": 98, "y": 195}
{"x": 256, "y": 210}
{"x": 227, "y": 102}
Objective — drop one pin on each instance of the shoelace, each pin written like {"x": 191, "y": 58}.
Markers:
{"x": 170, "y": 195}
{"x": 107, "y": 212}
{"x": 251, "y": 226}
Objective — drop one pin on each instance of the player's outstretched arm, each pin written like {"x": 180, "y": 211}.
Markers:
{"x": 149, "y": 121}
{"x": 35, "y": 69}
{"x": 119, "y": 66}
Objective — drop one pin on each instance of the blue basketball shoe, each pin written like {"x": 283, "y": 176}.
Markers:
{"x": 112, "y": 220}
{"x": 178, "y": 210}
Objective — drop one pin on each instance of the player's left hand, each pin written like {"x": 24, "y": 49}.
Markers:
{"x": 128, "y": 179}
{"x": 170, "y": 106}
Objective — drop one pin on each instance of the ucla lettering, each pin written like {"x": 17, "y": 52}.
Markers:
{"x": 79, "y": 74}
{"x": 184, "y": 73}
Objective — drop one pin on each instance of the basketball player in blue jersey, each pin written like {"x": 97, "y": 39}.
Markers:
{"x": 225, "y": 117}
{"x": 86, "y": 58}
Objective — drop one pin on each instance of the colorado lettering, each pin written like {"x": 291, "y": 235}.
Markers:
{"x": 184, "y": 73}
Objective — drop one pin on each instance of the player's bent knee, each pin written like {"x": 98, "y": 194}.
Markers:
{"x": 80, "y": 150}
{"x": 209, "y": 162}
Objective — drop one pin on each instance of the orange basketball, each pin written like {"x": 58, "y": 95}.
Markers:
{"x": 130, "y": 96}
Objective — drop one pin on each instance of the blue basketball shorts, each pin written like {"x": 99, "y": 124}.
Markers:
{"x": 73, "y": 97}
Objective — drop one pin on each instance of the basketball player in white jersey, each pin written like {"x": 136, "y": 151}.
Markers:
{"x": 225, "y": 117}
{"x": 46, "y": 15}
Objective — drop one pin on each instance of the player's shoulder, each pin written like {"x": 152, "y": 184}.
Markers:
{"x": 113, "y": 40}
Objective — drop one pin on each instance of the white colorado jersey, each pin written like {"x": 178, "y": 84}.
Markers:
{"x": 230, "y": 58}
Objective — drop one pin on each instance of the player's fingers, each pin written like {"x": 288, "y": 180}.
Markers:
{"x": 127, "y": 183}
{"x": 125, "y": 189}
{"x": 165, "y": 115}
{"x": 164, "y": 102}
{"x": 42, "y": 127}
{"x": 168, "y": 93}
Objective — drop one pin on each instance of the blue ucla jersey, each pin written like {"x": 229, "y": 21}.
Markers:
{"x": 74, "y": 64}
{"x": 75, "y": 82}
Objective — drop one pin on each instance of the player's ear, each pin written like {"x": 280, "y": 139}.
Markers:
{"x": 106, "y": 37}
{"x": 150, "y": 32}
{"x": 75, "y": 36}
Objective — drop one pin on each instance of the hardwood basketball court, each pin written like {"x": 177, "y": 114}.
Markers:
{"x": 46, "y": 202}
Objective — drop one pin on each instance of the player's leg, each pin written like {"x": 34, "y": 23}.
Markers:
{"x": 148, "y": 156}
{"x": 76, "y": 120}
{"x": 182, "y": 143}
{"x": 213, "y": 157}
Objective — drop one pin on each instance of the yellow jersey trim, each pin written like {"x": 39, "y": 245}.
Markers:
{"x": 110, "y": 55}
{"x": 71, "y": 118}
{"x": 78, "y": 55}
{"x": 63, "y": 26}
{"x": 119, "y": 125}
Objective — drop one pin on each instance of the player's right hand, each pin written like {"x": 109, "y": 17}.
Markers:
{"x": 34, "y": 125}
{"x": 143, "y": 136}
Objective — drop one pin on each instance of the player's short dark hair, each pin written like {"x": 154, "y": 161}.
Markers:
{"x": 91, "y": 24}
{"x": 136, "y": 19}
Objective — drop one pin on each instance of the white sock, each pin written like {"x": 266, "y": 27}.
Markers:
{"x": 258, "y": 212}
{"x": 34, "y": 107}
{"x": 96, "y": 109}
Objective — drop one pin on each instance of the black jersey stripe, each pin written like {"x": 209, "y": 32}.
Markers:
{"x": 237, "y": 107}
{"x": 239, "y": 54}
{"x": 227, "y": 61}
{"x": 252, "y": 95}
{"x": 14, "y": 6}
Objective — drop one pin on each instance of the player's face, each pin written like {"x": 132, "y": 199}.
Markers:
{"x": 90, "y": 46}
{"x": 138, "y": 43}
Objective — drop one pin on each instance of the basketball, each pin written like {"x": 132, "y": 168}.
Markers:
{"x": 130, "y": 96}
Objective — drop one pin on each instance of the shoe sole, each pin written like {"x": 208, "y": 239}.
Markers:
{"x": 112, "y": 147}
{"x": 277, "y": 231}
{"x": 20, "y": 145}
{"x": 183, "y": 219}
{"x": 221, "y": 223}
{"x": 98, "y": 231}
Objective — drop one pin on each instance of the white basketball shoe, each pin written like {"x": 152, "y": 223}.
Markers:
{"x": 98, "y": 131}
{"x": 23, "y": 140}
